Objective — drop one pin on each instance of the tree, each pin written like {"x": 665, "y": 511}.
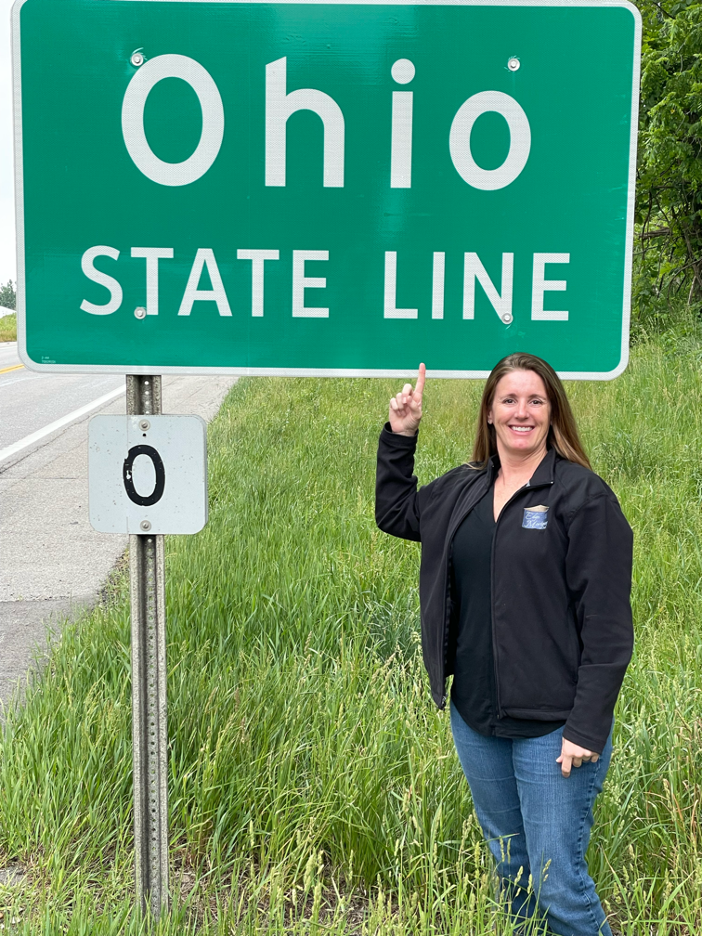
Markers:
{"x": 669, "y": 203}
{"x": 8, "y": 297}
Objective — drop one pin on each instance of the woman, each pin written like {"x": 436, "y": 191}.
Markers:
{"x": 524, "y": 590}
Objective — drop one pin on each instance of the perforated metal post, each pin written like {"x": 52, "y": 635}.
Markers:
{"x": 149, "y": 726}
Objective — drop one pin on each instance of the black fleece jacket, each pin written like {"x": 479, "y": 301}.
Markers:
{"x": 561, "y": 580}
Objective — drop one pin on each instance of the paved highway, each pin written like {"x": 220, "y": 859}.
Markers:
{"x": 30, "y": 401}
{"x": 52, "y": 563}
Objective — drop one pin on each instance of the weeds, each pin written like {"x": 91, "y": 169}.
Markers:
{"x": 8, "y": 328}
{"x": 313, "y": 786}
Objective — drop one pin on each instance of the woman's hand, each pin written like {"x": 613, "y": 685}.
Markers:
{"x": 406, "y": 407}
{"x": 575, "y": 755}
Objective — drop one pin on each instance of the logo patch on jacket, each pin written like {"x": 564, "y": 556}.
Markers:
{"x": 535, "y": 518}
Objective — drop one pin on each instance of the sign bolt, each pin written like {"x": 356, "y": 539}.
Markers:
{"x": 145, "y": 525}
{"x": 145, "y": 424}
{"x": 507, "y": 318}
{"x": 140, "y": 312}
{"x": 137, "y": 59}
{"x": 513, "y": 64}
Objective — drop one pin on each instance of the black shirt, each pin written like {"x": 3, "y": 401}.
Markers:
{"x": 473, "y": 689}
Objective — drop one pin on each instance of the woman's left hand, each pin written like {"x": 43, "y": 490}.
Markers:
{"x": 575, "y": 755}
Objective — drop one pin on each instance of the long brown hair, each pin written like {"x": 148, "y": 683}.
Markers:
{"x": 563, "y": 432}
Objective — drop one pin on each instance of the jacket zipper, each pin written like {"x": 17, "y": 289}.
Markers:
{"x": 500, "y": 713}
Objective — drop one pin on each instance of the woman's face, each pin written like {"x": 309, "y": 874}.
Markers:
{"x": 521, "y": 414}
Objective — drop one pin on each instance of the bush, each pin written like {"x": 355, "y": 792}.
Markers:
{"x": 8, "y": 296}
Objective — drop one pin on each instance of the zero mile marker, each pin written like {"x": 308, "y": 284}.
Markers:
{"x": 328, "y": 189}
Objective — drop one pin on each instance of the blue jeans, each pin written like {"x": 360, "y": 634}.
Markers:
{"x": 536, "y": 819}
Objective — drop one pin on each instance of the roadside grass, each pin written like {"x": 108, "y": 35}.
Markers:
{"x": 313, "y": 786}
{"x": 8, "y": 328}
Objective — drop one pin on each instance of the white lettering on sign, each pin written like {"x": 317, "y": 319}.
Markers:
{"x": 205, "y": 257}
{"x": 257, "y": 258}
{"x": 437, "y": 285}
{"x": 86, "y": 264}
{"x": 280, "y": 106}
{"x": 390, "y": 306}
{"x": 540, "y": 285}
{"x": 138, "y": 89}
{"x": 302, "y": 282}
{"x": 519, "y": 145}
{"x": 401, "y": 138}
{"x": 472, "y": 270}
{"x": 152, "y": 255}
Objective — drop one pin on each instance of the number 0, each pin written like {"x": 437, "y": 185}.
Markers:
{"x": 128, "y": 470}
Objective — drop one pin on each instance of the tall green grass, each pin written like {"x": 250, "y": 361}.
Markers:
{"x": 313, "y": 786}
{"x": 8, "y": 328}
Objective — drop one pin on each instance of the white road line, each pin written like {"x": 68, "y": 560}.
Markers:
{"x": 58, "y": 424}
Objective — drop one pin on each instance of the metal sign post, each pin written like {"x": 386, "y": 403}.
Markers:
{"x": 149, "y": 726}
{"x": 147, "y": 476}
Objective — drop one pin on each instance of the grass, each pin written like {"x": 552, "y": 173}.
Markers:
{"x": 8, "y": 328}
{"x": 313, "y": 786}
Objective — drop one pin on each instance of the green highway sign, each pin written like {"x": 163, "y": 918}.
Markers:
{"x": 324, "y": 188}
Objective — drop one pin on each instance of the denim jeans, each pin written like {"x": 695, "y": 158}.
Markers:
{"x": 536, "y": 819}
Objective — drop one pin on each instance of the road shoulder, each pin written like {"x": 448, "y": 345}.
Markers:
{"x": 53, "y": 564}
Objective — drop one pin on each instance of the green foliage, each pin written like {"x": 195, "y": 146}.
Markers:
{"x": 669, "y": 204}
{"x": 8, "y": 328}
{"x": 8, "y": 297}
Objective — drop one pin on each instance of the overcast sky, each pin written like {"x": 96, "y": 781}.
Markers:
{"x": 8, "y": 261}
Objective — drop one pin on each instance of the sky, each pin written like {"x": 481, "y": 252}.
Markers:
{"x": 8, "y": 260}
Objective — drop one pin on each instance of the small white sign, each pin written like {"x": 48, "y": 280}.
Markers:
{"x": 147, "y": 474}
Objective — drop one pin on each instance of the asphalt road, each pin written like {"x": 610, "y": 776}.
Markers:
{"x": 52, "y": 563}
{"x": 31, "y": 401}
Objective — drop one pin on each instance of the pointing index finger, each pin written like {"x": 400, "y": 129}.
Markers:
{"x": 419, "y": 389}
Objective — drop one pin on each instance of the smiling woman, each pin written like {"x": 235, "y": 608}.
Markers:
{"x": 539, "y": 378}
{"x": 521, "y": 417}
{"x": 521, "y": 414}
{"x": 524, "y": 590}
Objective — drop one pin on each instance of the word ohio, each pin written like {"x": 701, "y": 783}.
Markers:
{"x": 281, "y": 104}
